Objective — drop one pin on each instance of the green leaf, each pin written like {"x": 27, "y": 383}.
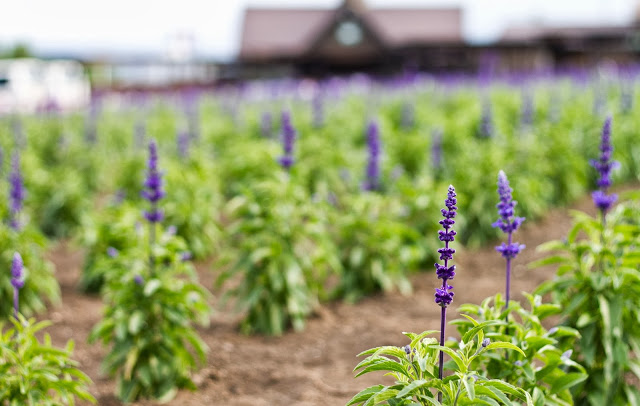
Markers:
{"x": 502, "y": 344}
{"x": 567, "y": 381}
{"x": 365, "y": 394}
{"x": 411, "y": 387}
{"x": 151, "y": 287}
{"x": 136, "y": 321}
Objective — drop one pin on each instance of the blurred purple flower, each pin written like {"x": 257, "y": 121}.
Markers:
{"x": 288, "y": 139}
{"x": 266, "y": 124}
{"x": 372, "y": 181}
{"x": 112, "y": 252}
{"x": 139, "y": 280}
{"x": 182, "y": 141}
{"x": 17, "y": 280}
{"x": 604, "y": 165}
{"x": 153, "y": 185}
{"x": 16, "y": 192}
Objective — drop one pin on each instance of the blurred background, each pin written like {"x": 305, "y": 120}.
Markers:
{"x": 58, "y": 53}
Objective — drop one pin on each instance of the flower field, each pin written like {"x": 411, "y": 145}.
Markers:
{"x": 249, "y": 243}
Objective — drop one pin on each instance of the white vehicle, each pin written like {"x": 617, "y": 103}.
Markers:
{"x": 30, "y": 85}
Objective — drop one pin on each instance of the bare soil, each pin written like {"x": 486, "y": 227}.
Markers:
{"x": 313, "y": 367}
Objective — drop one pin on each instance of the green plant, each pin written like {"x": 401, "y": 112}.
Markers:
{"x": 597, "y": 285}
{"x": 37, "y": 373}
{"x": 377, "y": 249}
{"x": 415, "y": 369}
{"x": 544, "y": 367}
{"x": 282, "y": 254}
{"x": 148, "y": 320}
{"x": 40, "y": 285}
{"x": 110, "y": 231}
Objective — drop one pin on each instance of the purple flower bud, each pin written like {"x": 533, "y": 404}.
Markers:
{"x": 112, "y": 252}
{"x": 444, "y": 296}
{"x": 518, "y": 363}
{"x": 486, "y": 342}
{"x": 510, "y": 250}
{"x": 139, "y": 280}
{"x": 407, "y": 349}
{"x": 186, "y": 256}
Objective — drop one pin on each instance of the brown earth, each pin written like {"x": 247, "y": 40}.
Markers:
{"x": 313, "y": 367}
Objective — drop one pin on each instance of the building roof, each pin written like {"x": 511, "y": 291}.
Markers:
{"x": 534, "y": 33}
{"x": 286, "y": 33}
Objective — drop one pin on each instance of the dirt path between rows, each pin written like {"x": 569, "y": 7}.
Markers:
{"x": 313, "y": 367}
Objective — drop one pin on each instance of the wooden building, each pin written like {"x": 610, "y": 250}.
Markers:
{"x": 356, "y": 38}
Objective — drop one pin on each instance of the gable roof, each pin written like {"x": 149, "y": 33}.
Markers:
{"x": 287, "y": 33}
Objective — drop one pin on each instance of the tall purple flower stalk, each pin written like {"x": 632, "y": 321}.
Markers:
{"x": 485, "y": 129}
{"x": 407, "y": 118}
{"x": 288, "y": 139}
{"x": 604, "y": 165}
{"x": 17, "y": 280}
{"x": 182, "y": 141}
{"x": 508, "y": 223}
{"x": 16, "y": 192}
{"x": 153, "y": 192}
{"x": 317, "y": 109}
{"x": 266, "y": 124}
{"x": 372, "y": 181}
{"x": 446, "y": 272}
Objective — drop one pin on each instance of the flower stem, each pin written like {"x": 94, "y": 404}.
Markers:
{"x": 16, "y": 302}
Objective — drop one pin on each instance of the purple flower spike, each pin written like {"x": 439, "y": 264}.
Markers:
{"x": 16, "y": 193}
{"x": 604, "y": 165}
{"x": 153, "y": 186}
{"x": 508, "y": 223}
{"x": 288, "y": 139}
{"x": 17, "y": 280}
{"x": 372, "y": 181}
{"x": 446, "y": 272}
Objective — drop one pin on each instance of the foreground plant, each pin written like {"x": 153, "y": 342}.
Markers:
{"x": 597, "y": 285}
{"x": 544, "y": 368}
{"x": 153, "y": 299}
{"x": 419, "y": 367}
{"x": 415, "y": 369}
{"x": 34, "y": 372}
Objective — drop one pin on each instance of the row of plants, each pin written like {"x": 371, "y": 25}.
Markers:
{"x": 296, "y": 228}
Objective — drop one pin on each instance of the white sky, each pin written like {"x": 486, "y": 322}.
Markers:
{"x": 131, "y": 26}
